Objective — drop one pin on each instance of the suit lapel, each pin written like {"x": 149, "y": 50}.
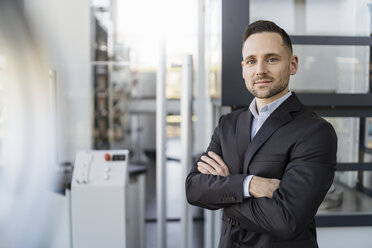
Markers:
{"x": 278, "y": 118}
{"x": 243, "y": 133}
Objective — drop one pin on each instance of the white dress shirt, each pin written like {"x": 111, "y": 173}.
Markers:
{"x": 257, "y": 122}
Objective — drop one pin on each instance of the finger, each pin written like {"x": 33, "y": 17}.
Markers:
{"x": 207, "y": 168}
{"x": 202, "y": 170}
{"x": 217, "y": 158}
{"x": 212, "y": 163}
{"x": 220, "y": 161}
{"x": 217, "y": 169}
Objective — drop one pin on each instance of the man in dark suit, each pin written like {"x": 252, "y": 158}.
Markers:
{"x": 270, "y": 165}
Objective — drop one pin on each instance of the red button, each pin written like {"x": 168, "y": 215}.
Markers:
{"x": 107, "y": 157}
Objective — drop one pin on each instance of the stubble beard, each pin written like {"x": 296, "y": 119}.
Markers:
{"x": 268, "y": 91}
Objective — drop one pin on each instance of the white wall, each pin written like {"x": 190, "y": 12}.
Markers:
{"x": 63, "y": 29}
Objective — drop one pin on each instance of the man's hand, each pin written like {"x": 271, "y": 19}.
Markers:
{"x": 213, "y": 165}
{"x": 263, "y": 187}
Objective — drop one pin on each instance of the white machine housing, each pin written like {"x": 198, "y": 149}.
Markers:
{"x": 98, "y": 192}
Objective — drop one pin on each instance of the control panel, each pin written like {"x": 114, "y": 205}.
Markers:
{"x": 101, "y": 167}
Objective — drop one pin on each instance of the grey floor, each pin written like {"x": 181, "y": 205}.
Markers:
{"x": 174, "y": 191}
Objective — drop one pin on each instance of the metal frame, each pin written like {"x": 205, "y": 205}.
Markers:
{"x": 331, "y": 40}
{"x": 342, "y": 220}
{"x": 235, "y": 16}
{"x": 331, "y": 111}
{"x": 337, "y": 100}
{"x": 354, "y": 166}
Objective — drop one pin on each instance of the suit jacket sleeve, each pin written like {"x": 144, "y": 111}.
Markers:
{"x": 210, "y": 191}
{"x": 305, "y": 182}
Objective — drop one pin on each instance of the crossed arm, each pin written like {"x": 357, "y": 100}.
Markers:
{"x": 258, "y": 187}
{"x": 211, "y": 185}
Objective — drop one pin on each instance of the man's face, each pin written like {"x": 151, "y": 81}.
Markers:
{"x": 267, "y": 65}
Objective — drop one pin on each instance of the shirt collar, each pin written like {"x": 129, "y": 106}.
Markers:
{"x": 271, "y": 107}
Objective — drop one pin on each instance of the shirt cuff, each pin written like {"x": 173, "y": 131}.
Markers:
{"x": 246, "y": 183}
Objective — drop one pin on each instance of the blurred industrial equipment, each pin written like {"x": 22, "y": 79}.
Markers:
{"x": 107, "y": 208}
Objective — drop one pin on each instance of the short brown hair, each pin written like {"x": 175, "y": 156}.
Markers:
{"x": 267, "y": 26}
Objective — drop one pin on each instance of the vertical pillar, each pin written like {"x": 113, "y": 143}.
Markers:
{"x": 160, "y": 148}
{"x": 186, "y": 144}
{"x": 53, "y": 114}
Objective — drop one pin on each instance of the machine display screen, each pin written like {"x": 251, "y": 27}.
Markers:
{"x": 117, "y": 157}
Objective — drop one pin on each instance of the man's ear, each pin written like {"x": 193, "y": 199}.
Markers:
{"x": 293, "y": 65}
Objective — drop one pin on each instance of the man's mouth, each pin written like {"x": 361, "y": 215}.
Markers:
{"x": 262, "y": 82}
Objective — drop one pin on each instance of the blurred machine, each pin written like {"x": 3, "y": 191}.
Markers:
{"x": 102, "y": 204}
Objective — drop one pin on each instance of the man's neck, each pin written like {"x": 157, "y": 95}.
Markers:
{"x": 261, "y": 102}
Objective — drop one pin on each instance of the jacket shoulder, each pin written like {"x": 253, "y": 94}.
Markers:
{"x": 232, "y": 117}
{"x": 307, "y": 119}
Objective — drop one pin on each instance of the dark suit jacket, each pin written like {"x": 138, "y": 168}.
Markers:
{"x": 294, "y": 145}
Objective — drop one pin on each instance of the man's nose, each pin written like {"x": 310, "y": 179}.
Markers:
{"x": 261, "y": 68}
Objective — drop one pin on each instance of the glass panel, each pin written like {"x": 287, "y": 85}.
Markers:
{"x": 316, "y": 17}
{"x": 331, "y": 69}
{"x": 347, "y": 130}
{"x": 343, "y": 199}
{"x": 213, "y": 46}
{"x": 351, "y": 191}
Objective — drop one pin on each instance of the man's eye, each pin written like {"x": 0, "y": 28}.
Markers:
{"x": 272, "y": 60}
{"x": 250, "y": 62}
